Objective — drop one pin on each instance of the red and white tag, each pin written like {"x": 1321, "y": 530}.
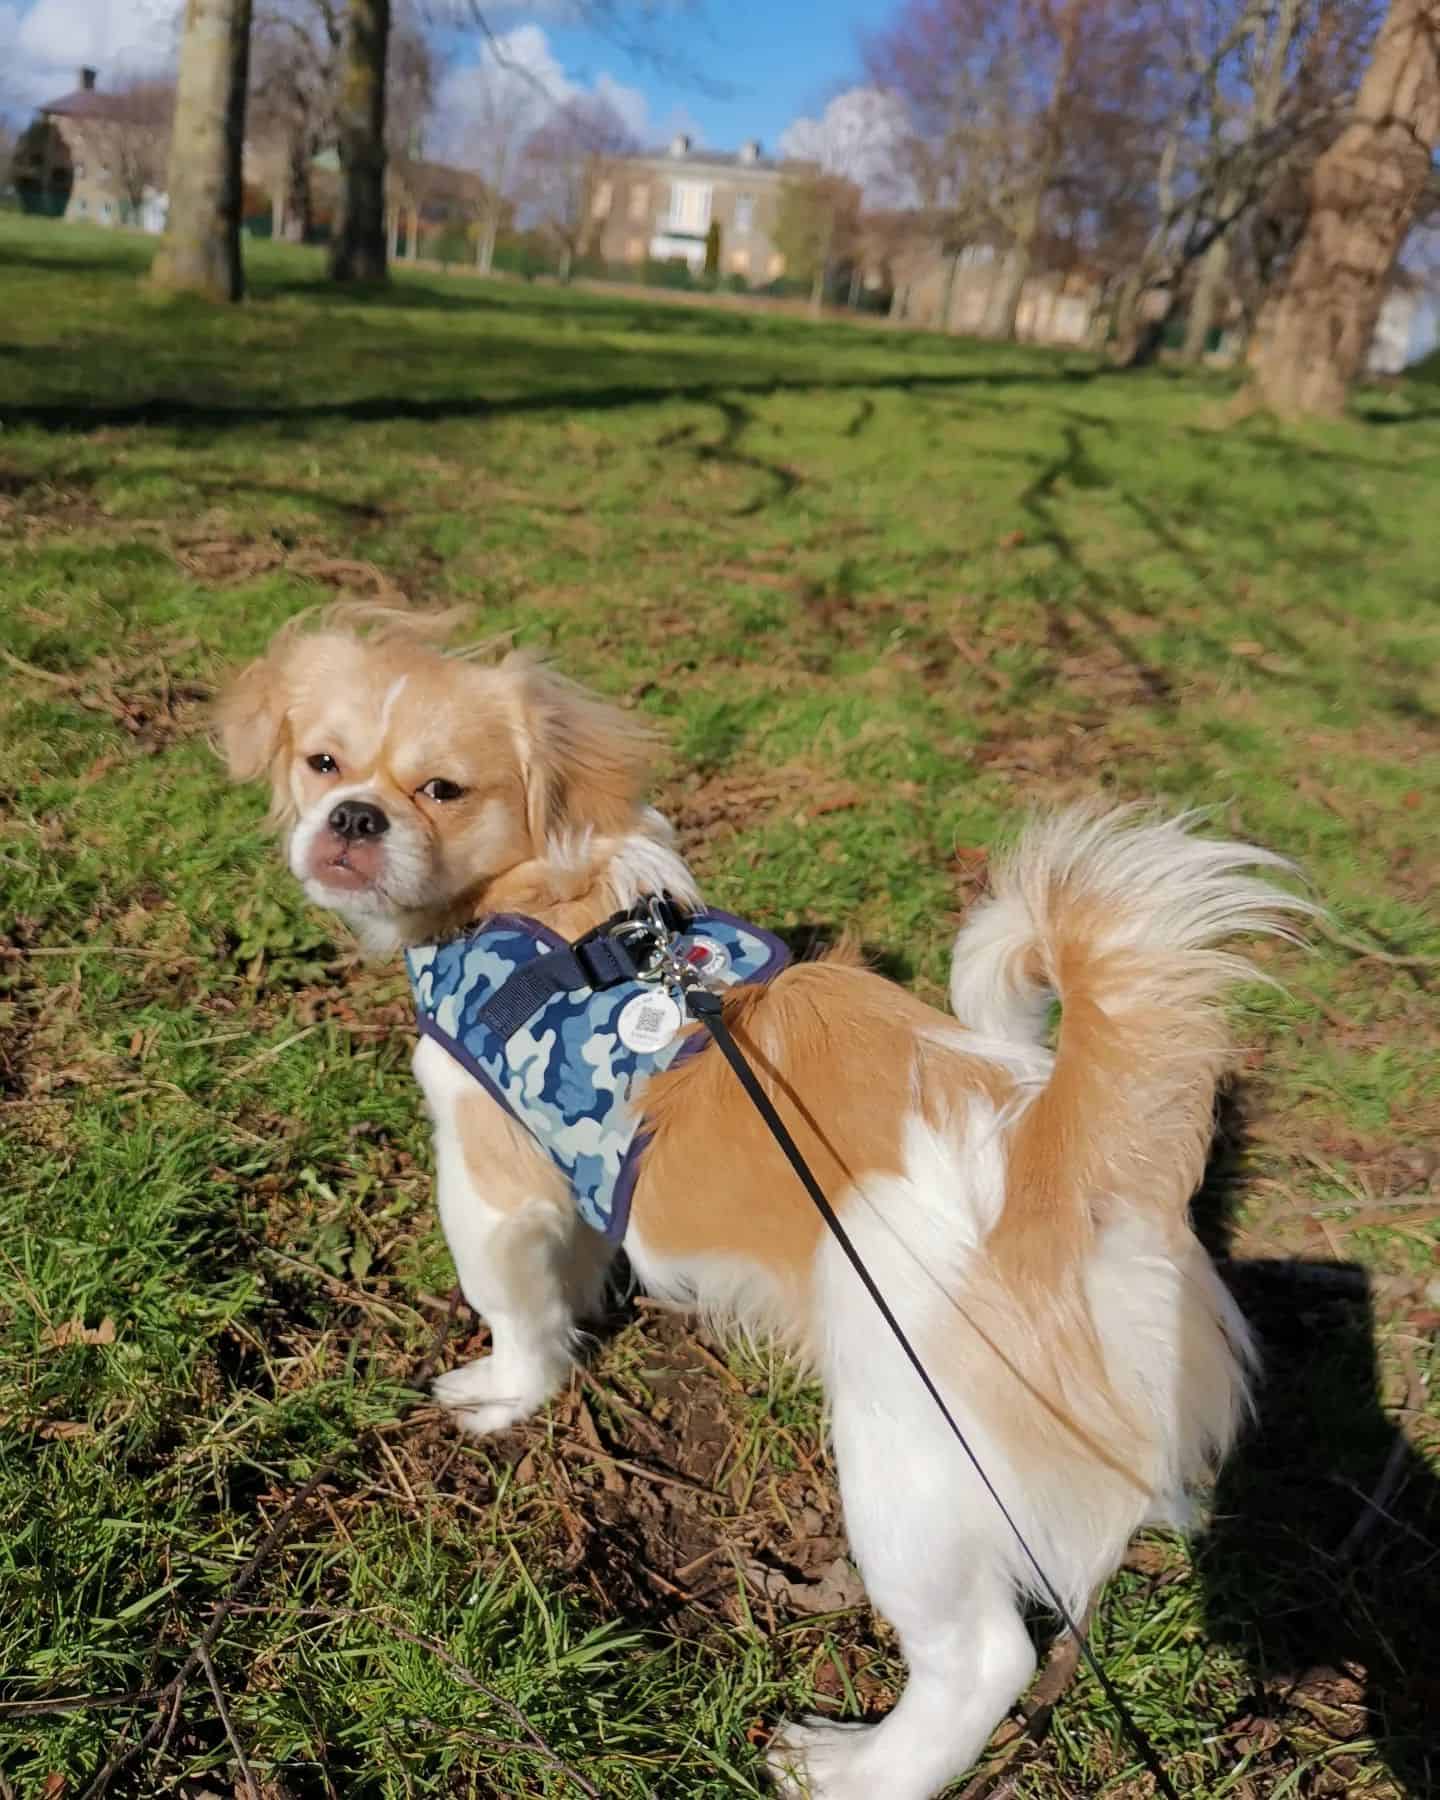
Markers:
{"x": 709, "y": 960}
{"x": 649, "y": 1022}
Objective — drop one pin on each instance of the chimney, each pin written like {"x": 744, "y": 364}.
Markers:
{"x": 680, "y": 144}
{"x": 750, "y": 150}
{"x": 87, "y": 81}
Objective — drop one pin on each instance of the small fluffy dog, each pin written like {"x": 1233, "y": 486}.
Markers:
{"x": 1022, "y": 1203}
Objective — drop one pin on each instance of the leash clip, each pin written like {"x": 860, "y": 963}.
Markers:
{"x": 651, "y": 942}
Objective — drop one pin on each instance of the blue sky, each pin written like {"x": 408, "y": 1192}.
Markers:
{"x": 772, "y": 60}
{"x": 777, "y": 58}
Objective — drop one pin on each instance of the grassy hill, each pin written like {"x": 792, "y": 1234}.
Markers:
{"x": 884, "y": 592}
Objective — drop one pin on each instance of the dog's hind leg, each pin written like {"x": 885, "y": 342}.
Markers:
{"x": 930, "y": 1567}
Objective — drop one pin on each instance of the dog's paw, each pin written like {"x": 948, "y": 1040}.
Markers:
{"x": 820, "y": 1760}
{"x": 486, "y": 1396}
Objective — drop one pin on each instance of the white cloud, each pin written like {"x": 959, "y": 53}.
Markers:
{"x": 627, "y": 103}
{"x": 485, "y": 106}
{"x": 858, "y": 136}
{"x": 43, "y": 47}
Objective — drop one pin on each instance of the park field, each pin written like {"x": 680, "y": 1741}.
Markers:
{"x": 883, "y": 593}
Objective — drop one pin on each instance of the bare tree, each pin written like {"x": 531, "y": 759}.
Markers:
{"x": 1364, "y": 194}
{"x": 295, "y": 62}
{"x": 817, "y": 225}
{"x": 565, "y": 162}
{"x": 200, "y": 251}
{"x": 1251, "y": 87}
{"x": 998, "y": 93}
{"x": 503, "y": 107}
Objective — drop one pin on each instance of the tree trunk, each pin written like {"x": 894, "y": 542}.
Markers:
{"x": 297, "y": 190}
{"x": 200, "y": 251}
{"x": 1314, "y": 335}
{"x": 485, "y": 248}
{"x": 1205, "y": 302}
{"x": 1002, "y": 303}
{"x": 358, "y": 251}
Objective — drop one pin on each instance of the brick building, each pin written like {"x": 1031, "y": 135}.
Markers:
{"x": 660, "y": 207}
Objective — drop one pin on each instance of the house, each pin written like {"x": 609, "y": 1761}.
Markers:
{"x": 950, "y": 290}
{"x": 662, "y": 206}
{"x": 105, "y": 153}
{"x": 1407, "y": 328}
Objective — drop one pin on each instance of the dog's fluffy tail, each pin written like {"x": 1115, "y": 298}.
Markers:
{"x": 1118, "y": 916}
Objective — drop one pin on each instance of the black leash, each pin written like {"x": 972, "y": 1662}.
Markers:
{"x": 706, "y": 1007}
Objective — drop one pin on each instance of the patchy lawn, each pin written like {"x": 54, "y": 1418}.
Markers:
{"x": 884, "y": 592}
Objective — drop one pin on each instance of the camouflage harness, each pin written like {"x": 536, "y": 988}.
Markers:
{"x": 564, "y": 1036}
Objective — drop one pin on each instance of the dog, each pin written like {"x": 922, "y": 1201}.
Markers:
{"x": 1018, "y": 1189}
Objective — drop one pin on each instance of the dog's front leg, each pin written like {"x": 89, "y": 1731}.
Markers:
{"x": 524, "y": 1261}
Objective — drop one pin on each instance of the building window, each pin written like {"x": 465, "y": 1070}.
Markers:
{"x": 106, "y": 211}
{"x": 639, "y": 200}
{"x": 689, "y": 207}
{"x": 740, "y": 262}
{"x": 744, "y": 214}
{"x": 604, "y": 195}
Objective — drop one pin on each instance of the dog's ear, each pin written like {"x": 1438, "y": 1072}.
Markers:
{"x": 250, "y": 718}
{"x": 586, "y": 763}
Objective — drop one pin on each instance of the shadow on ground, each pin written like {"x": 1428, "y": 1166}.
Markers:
{"x": 1321, "y": 1562}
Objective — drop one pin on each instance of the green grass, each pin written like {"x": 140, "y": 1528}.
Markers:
{"x": 883, "y": 592}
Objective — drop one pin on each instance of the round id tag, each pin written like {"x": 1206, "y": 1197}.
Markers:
{"x": 649, "y": 1022}
{"x": 709, "y": 960}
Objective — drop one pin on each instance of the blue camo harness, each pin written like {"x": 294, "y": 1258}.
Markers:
{"x": 536, "y": 1021}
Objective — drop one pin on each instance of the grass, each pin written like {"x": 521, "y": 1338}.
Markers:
{"x": 884, "y": 592}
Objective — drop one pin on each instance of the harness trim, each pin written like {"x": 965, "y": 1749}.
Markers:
{"x": 532, "y": 1019}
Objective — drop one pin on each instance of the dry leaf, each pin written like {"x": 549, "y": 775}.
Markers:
{"x": 1247, "y": 648}
{"x": 76, "y": 1331}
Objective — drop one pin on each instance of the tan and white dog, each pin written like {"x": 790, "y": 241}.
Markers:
{"x": 1022, "y": 1203}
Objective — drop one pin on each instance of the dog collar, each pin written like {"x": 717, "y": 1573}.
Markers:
{"x": 564, "y": 1035}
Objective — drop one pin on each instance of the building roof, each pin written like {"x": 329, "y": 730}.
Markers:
{"x": 144, "y": 101}
{"x": 88, "y": 103}
{"x": 686, "y": 155}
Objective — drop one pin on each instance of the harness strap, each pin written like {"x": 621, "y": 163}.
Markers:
{"x": 594, "y": 962}
{"x": 707, "y": 1008}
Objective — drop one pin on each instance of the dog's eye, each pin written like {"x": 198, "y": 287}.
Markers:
{"x": 323, "y": 763}
{"x": 441, "y": 789}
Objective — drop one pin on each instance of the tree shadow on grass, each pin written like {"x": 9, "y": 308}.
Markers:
{"x": 1321, "y": 1561}
{"x": 177, "y": 412}
{"x": 1102, "y": 595}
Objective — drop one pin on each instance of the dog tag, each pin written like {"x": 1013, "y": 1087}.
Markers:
{"x": 709, "y": 960}
{"x": 649, "y": 1022}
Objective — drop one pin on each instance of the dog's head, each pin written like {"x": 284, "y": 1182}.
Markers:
{"x": 407, "y": 780}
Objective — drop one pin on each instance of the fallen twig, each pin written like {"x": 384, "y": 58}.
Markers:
{"x": 28, "y": 1709}
{"x": 1371, "y": 954}
{"x": 467, "y": 1678}
{"x": 1015, "y": 1739}
{"x": 1379, "y": 1498}
{"x": 272, "y": 1541}
{"x": 248, "y": 1786}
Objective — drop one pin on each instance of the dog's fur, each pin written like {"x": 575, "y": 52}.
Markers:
{"x": 1022, "y": 1206}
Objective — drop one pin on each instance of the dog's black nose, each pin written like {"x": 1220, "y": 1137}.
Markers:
{"x": 358, "y": 819}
